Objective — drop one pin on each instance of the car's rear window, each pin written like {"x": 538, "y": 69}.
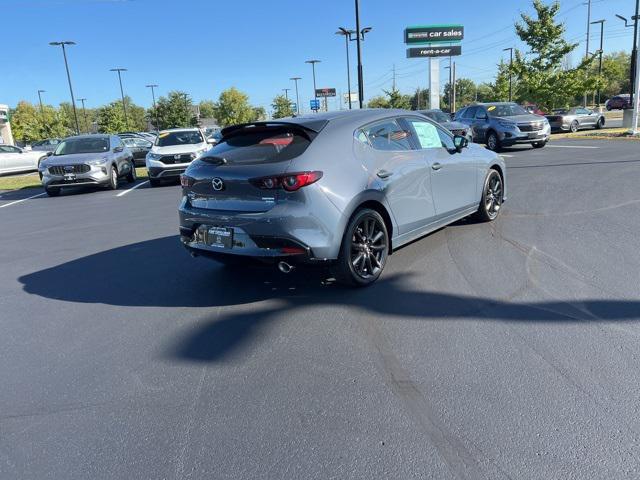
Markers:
{"x": 260, "y": 145}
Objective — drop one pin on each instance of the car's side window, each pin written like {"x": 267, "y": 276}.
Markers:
{"x": 362, "y": 137}
{"x": 446, "y": 140}
{"x": 9, "y": 149}
{"x": 426, "y": 133}
{"x": 461, "y": 114}
{"x": 481, "y": 113}
{"x": 387, "y": 135}
{"x": 471, "y": 112}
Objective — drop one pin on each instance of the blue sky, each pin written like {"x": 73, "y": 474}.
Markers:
{"x": 206, "y": 46}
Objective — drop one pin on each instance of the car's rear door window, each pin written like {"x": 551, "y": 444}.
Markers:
{"x": 387, "y": 135}
{"x": 259, "y": 145}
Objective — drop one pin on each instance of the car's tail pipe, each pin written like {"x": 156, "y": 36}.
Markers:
{"x": 285, "y": 267}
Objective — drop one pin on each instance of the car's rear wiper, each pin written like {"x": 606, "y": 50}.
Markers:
{"x": 214, "y": 160}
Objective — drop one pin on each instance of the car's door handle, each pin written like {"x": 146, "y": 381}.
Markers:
{"x": 436, "y": 166}
{"x": 384, "y": 173}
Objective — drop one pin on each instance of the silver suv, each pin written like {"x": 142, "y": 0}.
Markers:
{"x": 503, "y": 124}
{"x": 87, "y": 160}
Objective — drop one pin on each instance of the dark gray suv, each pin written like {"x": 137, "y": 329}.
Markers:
{"x": 503, "y": 124}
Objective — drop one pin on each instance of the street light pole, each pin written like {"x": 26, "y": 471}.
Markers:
{"x": 510, "y": 72}
{"x": 453, "y": 108}
{"x": 44, "y": 121}
{"x": 347, "y": 38}
{"x": 359, "y": 44}
{"x": 84, "y": 113}
{"x": 313, "y": 67}
{"x": 66, "y": 66}
{"x": 153, "y": 96}
{"x": 601, "y": 22}
{"x": 286, "y": 92}
{"x": 124, "y": 104}
{"x": 295, "y": 79}
{"x": 634, "y": 50}
{"x": 588, "y": 34}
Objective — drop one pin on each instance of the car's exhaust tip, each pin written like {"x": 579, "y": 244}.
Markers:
{"x": 284, "y": 267}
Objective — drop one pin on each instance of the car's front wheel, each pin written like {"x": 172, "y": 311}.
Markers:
{"x": 364, "y": 250}
{"x": 600, "y": 124}
{"x": 493, "y": 142}
{"x": 492, "y": 197}
{"x": 132, "y": 176}
{"x": 113, "y": 178}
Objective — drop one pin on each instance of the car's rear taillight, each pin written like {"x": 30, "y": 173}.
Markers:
{"x": 186, "y": 181}
{"x": 290, "y": 182}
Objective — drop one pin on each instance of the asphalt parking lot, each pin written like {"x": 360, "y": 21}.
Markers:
{"x": 504, "y": 350}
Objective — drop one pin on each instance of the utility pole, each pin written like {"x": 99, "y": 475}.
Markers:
{"x": 44, "y": 120}
{"x": 295, "y": 79}
{"x": 359, "y": 44}
{"x": 510, "y": 72}
{"x": 124, "y": 104}
{"x": 286, "y": 92}
{"x": 453, "y": 108}
{"x": 84, "y": 113}
{"x": 66, "y": 65}
{"x": 153, "y": 96}
{"x": 601, "y": 22}
{"x": 394, "y": 76}
{"x": 588, "y": 34}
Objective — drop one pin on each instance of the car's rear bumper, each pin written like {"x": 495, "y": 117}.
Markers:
{"x": 298, "y": 229}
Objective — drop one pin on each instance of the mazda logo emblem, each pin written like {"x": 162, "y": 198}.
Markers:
{"x": 217, "y": 184}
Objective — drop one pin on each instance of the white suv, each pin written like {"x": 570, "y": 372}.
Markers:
{"x": 172, "y": 153}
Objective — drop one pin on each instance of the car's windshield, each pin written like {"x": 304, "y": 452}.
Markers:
{"x": 560, "y": 111}
{"x": 83, "y": 145}
{"x": 187, "y": 137}
{"x": 439, "y": 117}
{"x": 506, "y": 110}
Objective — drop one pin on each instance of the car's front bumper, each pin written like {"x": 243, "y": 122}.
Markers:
{"x": 98, "y": 175}
{"x": 515, "y": 138}
{"x": 158, "y": 170}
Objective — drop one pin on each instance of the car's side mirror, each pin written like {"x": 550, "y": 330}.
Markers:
{"x": 211, "y": 141}
{"x": 460, "y": 142}
{"x": 49, "y": 154}
{"x": 118, "y": 149}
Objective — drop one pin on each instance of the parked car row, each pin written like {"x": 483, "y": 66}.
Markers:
{"x": 16, "y": 159}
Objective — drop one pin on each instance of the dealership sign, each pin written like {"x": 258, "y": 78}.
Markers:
{"x": 442, "y": 51}
{"x": 433, "y": 34}
{"x": 325, "y": 92}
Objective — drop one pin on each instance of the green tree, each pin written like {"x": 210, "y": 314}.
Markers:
{"x": 465, "y": 92}
{"x": 207, "y": 109}
{"x": 29, "y": 124}
{"x": 420, "y": 99}
{"x": 378, "y": 102}
{"x": 111, "y": 118}
{"x": 500, "y": 85}
{"x": 173, "y": 111}
{"x": 281, "y": 107}
{"x": 259, "y": 114}
{"x": 540, "y": 73}
{"x": 233, "y": 108}
{"x": 485, "y": 92}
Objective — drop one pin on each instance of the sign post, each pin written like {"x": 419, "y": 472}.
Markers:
{"x": 438, "y": 41}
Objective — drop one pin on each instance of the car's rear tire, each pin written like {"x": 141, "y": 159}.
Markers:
{"x": 600, "y": 124}
{"x": 154, "y": 182}
{"x": 538, "y": 144}
{"x": 53, "y": 192}
{"x": 132, "y": 176}
{"x": 608, "y": 108}
{"x": 492, "y": 197}
{"x": 573, "y": 128}
{"x": 493, "y": 142}
{"x": 113, "y": 178}
{"x": 364, "y": 250}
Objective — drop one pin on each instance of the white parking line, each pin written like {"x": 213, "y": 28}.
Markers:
{"x": 132, "y": 188}
{"x": 506, "y": 156}
{"x": 22, "y": 200}
{"x": 570, "y": 146}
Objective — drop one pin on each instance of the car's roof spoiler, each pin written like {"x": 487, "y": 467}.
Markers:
{"x": 312, "y": 126}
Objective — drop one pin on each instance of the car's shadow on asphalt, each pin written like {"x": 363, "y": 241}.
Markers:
{"x": 160, "y": 273}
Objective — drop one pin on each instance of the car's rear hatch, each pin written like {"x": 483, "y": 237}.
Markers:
{"x": 227, "y": 177}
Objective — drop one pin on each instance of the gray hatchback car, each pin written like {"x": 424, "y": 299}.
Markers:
{"x": 341, "y": 188}
{"x": 503, "y": 124}
{"x": 86, "y": 160}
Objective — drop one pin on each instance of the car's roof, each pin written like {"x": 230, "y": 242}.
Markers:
{"x": 495, "y": 103}
{"x": 188, "y": 129}
{"x": 90, "y": 135}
